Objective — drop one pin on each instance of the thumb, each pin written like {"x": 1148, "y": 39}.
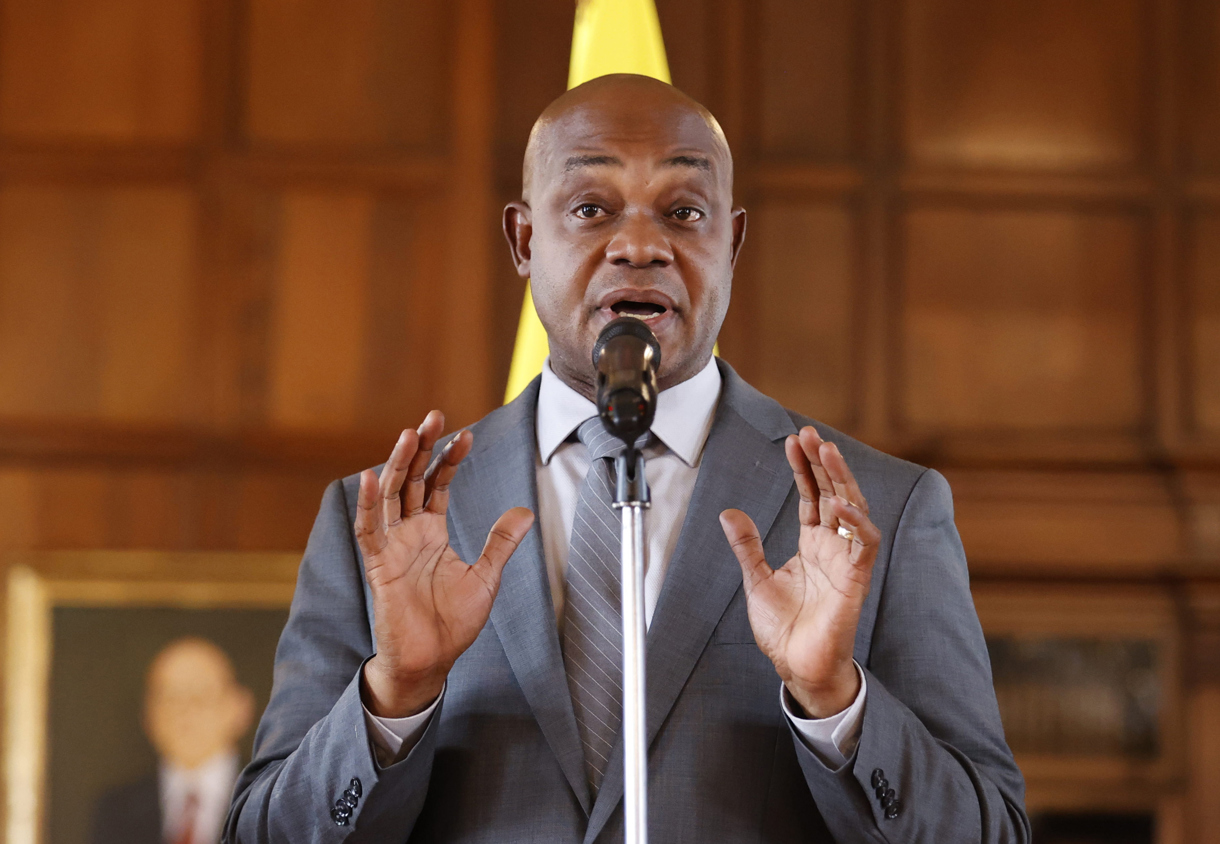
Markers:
{"x": 506, "y": 534}
{"x": 743, "y": 536}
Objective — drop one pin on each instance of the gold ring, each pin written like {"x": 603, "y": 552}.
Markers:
{"x": 846, "y": 534}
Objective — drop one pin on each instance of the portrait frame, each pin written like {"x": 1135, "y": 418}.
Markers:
{"x": 39, "y": 583}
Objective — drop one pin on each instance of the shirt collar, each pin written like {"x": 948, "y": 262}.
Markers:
{"x": 683, "y": 420}
{"x": 219, "y": 771}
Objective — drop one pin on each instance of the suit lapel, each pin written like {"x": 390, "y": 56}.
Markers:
{"x": 497, "y": 475}
{"x": 743, "y": 466}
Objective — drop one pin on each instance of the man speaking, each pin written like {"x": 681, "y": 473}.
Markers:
{"x": 451, "y": 667}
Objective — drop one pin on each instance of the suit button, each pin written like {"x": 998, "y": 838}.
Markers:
{"x": 354, "y": 785}
{"x": 340, "y": 818}
{"x": 882, "y": 785}
{"x": 878, "y": 776}
{"x": 350, "y": 797}
{"x": 891, "y": 811}
{"x": 888, "y": 799}
{"x": 345, "y": 804}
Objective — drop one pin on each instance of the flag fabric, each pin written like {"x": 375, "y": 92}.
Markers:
{"x": 610, "y": 36}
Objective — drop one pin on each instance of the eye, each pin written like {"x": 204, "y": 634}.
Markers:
{"x": 588, "y": 211}
{"x": 688, "y": 215}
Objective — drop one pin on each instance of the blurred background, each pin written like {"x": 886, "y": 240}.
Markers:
{"x": 244, "y": 242}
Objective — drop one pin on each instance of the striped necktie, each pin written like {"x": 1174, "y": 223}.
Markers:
{"x": 592, "y": 624}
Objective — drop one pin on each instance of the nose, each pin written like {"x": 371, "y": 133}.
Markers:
{"x": 640, "y": 242}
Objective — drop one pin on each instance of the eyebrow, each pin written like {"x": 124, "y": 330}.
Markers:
{"x": 577, "y": 161}
{"x": 696, "y": 161}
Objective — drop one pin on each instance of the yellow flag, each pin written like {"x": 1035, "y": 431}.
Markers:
{"x": 610, "y": 36}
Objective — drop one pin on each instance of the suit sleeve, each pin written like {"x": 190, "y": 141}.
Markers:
{"x": 312, "y": 751}
{"x": 931, "y": 731}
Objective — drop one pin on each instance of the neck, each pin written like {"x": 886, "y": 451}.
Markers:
{"x": 584, "y": 381}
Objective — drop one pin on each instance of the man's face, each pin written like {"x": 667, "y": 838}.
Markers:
{"x": 193, "y": 707}
{"x": 628, "y": 212}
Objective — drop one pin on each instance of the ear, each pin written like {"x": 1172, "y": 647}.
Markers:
{"x": 518, "y": 230}
{"x": 739, "y": 235}
{"x": 242, "y": 712}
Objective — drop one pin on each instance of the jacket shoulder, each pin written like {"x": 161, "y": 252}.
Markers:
{"x": 876, "y": 471}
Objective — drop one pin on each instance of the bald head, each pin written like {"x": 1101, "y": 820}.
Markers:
{"x": 622, "y": 102}
{"x": 627, "y": 210}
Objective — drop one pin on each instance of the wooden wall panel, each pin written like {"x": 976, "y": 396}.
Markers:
{"x": 1022, "y": 319}
{"x": 808, "y": 58}
{"x": 532, "y": 70}
{"x": 689, "y": 28}
{"x": 113, "y": 70}
{"x": 97, "y": 291}
{"x": 802, "y": 257}
{"x": 1201, "y": 123}
{"x": 364, "y": 72}
{"x": 320, "y": 313}
{"x": 1026, "y": 83}
{"x": 355, "y": 311}
{"x": 159, "y": 507}
{"x": 1204, "y": 317}
{"x": 1067, "y": 523}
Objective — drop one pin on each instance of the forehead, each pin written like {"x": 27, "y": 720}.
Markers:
{"x": 189, "y": 666}
{"x": 640, "y": 134}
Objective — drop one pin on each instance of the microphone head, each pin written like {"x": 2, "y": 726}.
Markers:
{"x": 626, "y": 357}
{"x": 632, "y": 327}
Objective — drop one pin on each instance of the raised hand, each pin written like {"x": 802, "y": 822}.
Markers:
{"x": 804, "y": 615}
{"x": 428, "y": 604}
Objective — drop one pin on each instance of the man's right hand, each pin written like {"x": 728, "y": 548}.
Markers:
{"x": 428, "y": 604}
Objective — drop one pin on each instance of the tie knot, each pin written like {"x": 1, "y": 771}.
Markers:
{"x": 602, "y": 443}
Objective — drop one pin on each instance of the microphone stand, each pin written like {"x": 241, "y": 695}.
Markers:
{"x": 631, "y": 500}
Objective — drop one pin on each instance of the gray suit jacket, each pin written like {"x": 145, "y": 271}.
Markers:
{"x": 501, "y": 759}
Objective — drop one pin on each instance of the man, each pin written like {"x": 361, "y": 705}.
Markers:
{"x": 194, "y": 714}
{"x": 418, "y": 697}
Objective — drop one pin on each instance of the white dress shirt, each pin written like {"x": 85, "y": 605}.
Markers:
{"x": 212, "y": 786}
{"x": 683, "y": 421}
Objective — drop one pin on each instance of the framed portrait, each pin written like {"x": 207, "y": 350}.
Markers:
{"x": 117, "y": 665}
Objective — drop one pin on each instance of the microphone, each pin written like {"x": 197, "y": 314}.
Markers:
{"x": 627, "y": 357}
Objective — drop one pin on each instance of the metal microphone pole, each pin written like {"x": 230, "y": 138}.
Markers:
{"x": 631, "y": 500}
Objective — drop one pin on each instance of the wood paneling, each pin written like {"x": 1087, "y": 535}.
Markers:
{"x": 353, "y": 315}
{"x": 1068, "y": 523}
{"x": 804, "y": 261}
{"x": 1201, "y": 118}
{"x": 1204, "y": 322}
{"x": 808, "y": 58}
{"x": 243, "y": 243}
{"x": 1026, "y": 83}
{"x": 97, "y": 290}
{"x": 113, "y": 70}
{"x": 1022, "y": 319}
{"x": 369, "y": 73}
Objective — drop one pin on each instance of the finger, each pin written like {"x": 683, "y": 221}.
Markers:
{"x": 393, "y": 474}
{"x": 441, "y": 473}
{"x": 429, "y": 432}
{"x": 865, "y": 535}
{"x": 810, "y": 444}
{"x": 370, "y": 527}
{"x": 506, "y": 534}
{"x": 743, "y": 536}
{"x": 806, "y": 484}
{"x": 840, "y": 475}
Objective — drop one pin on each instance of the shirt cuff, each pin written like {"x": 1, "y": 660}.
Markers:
{"x": 833, "y": 740}
{"x": 394, "y": 738}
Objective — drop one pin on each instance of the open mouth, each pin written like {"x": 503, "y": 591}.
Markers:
{"x": 639, "y": 310}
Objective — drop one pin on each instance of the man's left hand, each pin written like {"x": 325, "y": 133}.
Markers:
{"x": 804, "y": 615}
